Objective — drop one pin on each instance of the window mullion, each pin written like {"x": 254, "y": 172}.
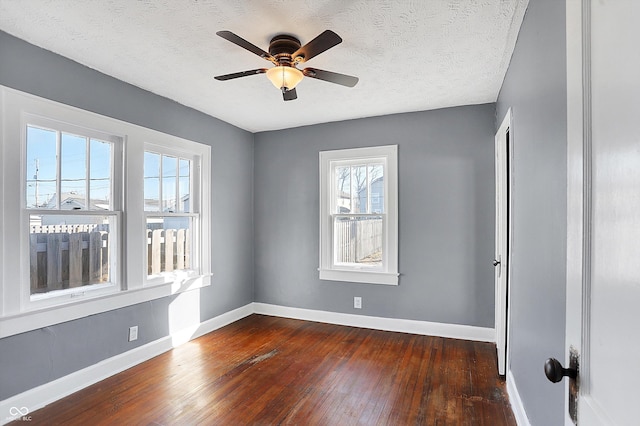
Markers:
{"x": 331, "y": 193}
{"x": 176, "y": 189}
{"x": 58, "y": 169}
{"x": 351, "y": 183}
{"x": 368, "y": 188}
{"x": 37, "y": 189}
{"x": 160, "y": 179}
{"x": 87, "y": 183}
{"x": 194, "y": 196}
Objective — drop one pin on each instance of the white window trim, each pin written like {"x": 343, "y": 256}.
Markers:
{"x": 15, "y": 315}
{"x": 388, "y": 274}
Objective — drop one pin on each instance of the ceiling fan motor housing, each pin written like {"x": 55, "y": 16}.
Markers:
{"x": 282, "y": 47}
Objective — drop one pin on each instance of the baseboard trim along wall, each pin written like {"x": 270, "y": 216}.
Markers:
{"x": 47, "y": 393}
{"x": 426, "y": 328}
{"x": 516, "y": 402}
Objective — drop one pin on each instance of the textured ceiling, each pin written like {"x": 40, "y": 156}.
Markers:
{"x": 410, "y": 55}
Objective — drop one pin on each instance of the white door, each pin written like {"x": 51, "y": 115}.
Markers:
{"x": 501, "y": 259}
{"x": 603, "y": 244}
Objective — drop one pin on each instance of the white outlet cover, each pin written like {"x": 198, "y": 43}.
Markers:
{"x": 133, "y": 333}
{"x": 357, "y": 302}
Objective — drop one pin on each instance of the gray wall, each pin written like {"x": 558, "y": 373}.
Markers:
{"x": 37, "y": 357}
{"x": 446, "y": 216}
{"x": 535, "y": 87}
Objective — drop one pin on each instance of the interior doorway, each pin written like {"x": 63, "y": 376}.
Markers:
{"x": 501, "y": 262}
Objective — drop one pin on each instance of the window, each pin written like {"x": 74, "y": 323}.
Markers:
{"x": 358, "y": 215}
{"x": 170, "y": 213}
{"x": 97, "y": 214}
{"x": 71, "y": 210}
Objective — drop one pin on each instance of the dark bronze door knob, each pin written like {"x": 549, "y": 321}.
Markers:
{"x": 555, "y": 371}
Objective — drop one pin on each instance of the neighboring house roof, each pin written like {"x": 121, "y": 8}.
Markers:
{"x": 73, "y": 201}
{"x": 152, "y": 204}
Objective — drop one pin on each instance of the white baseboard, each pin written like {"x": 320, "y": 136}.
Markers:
{"x": 454, "y": 331}
{"x": 33, "y": 399}
{"x": 38, "y": 397}
{"x": 516, "y": 403}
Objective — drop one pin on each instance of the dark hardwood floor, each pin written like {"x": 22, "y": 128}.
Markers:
{"x": 266, "y": 370}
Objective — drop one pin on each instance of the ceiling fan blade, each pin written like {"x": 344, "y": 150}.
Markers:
{"x": 289, "y": 95}
{"x": 331, "y": 77}
{"x": 228, "y": 35}
{"x": 240, "y": 74}
{"x": 324, "y": 41}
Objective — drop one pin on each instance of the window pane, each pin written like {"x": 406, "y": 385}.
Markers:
{"x": 184, "y": 184}
{"x": 73, "y": 171}
{"x": 151, "y": 182}
{"x": 168, "y": 244}
{"x": 342, "y": 202}
{"x": 376, "y": 178}
{"x": 169, "y": 180}
{"x": 360, "y": 188}
{"x": 68, "y": 251}
{"x": 100, "y": 182}
{"x": 41, "y": 168}
{"x": 358, "y": 240}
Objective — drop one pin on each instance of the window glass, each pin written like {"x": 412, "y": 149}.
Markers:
{"x": 169, "y": 183}
{"x": 41, "y": 168}
{"x": 100, "y": 179}
{"x": 168, "y": 244}
{"x": 342, "y": 199}
{"x": 151, "y": 181}
{"x": 376, "y": 185}
{"x": 73, "y": 170}
{"x": 358, "y": 240}
{"x": 69, "y": 251}
{"x": 184, "y": 185}
{"x": 175, "y": 183}
{"x": 359, "y": 190}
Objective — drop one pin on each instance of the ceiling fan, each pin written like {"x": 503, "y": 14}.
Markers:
{"x": 285, "y": 52}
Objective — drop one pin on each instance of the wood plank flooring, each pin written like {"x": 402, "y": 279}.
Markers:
{"x": 266, "y": 370}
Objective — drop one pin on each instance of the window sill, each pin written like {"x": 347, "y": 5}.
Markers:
{"x": 367, "y": 277}
{"x": 79, "y": 308}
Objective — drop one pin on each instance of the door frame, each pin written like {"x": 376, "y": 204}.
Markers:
{"x": 504, "y": 161}
{"x": 578, "y": 184}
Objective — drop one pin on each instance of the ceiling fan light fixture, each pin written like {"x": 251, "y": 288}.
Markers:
{"x": 285, "y": 52}
{"x": 284, "y": 77}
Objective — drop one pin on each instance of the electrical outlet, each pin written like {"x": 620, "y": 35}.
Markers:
{"x": 133, "y": 333}
{"x": 357, "y": 302}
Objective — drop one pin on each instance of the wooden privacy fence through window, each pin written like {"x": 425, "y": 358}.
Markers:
{"x": 168, "y": 250}
{"x": 358, "y": 241}
{"x": 68, "y": 256}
